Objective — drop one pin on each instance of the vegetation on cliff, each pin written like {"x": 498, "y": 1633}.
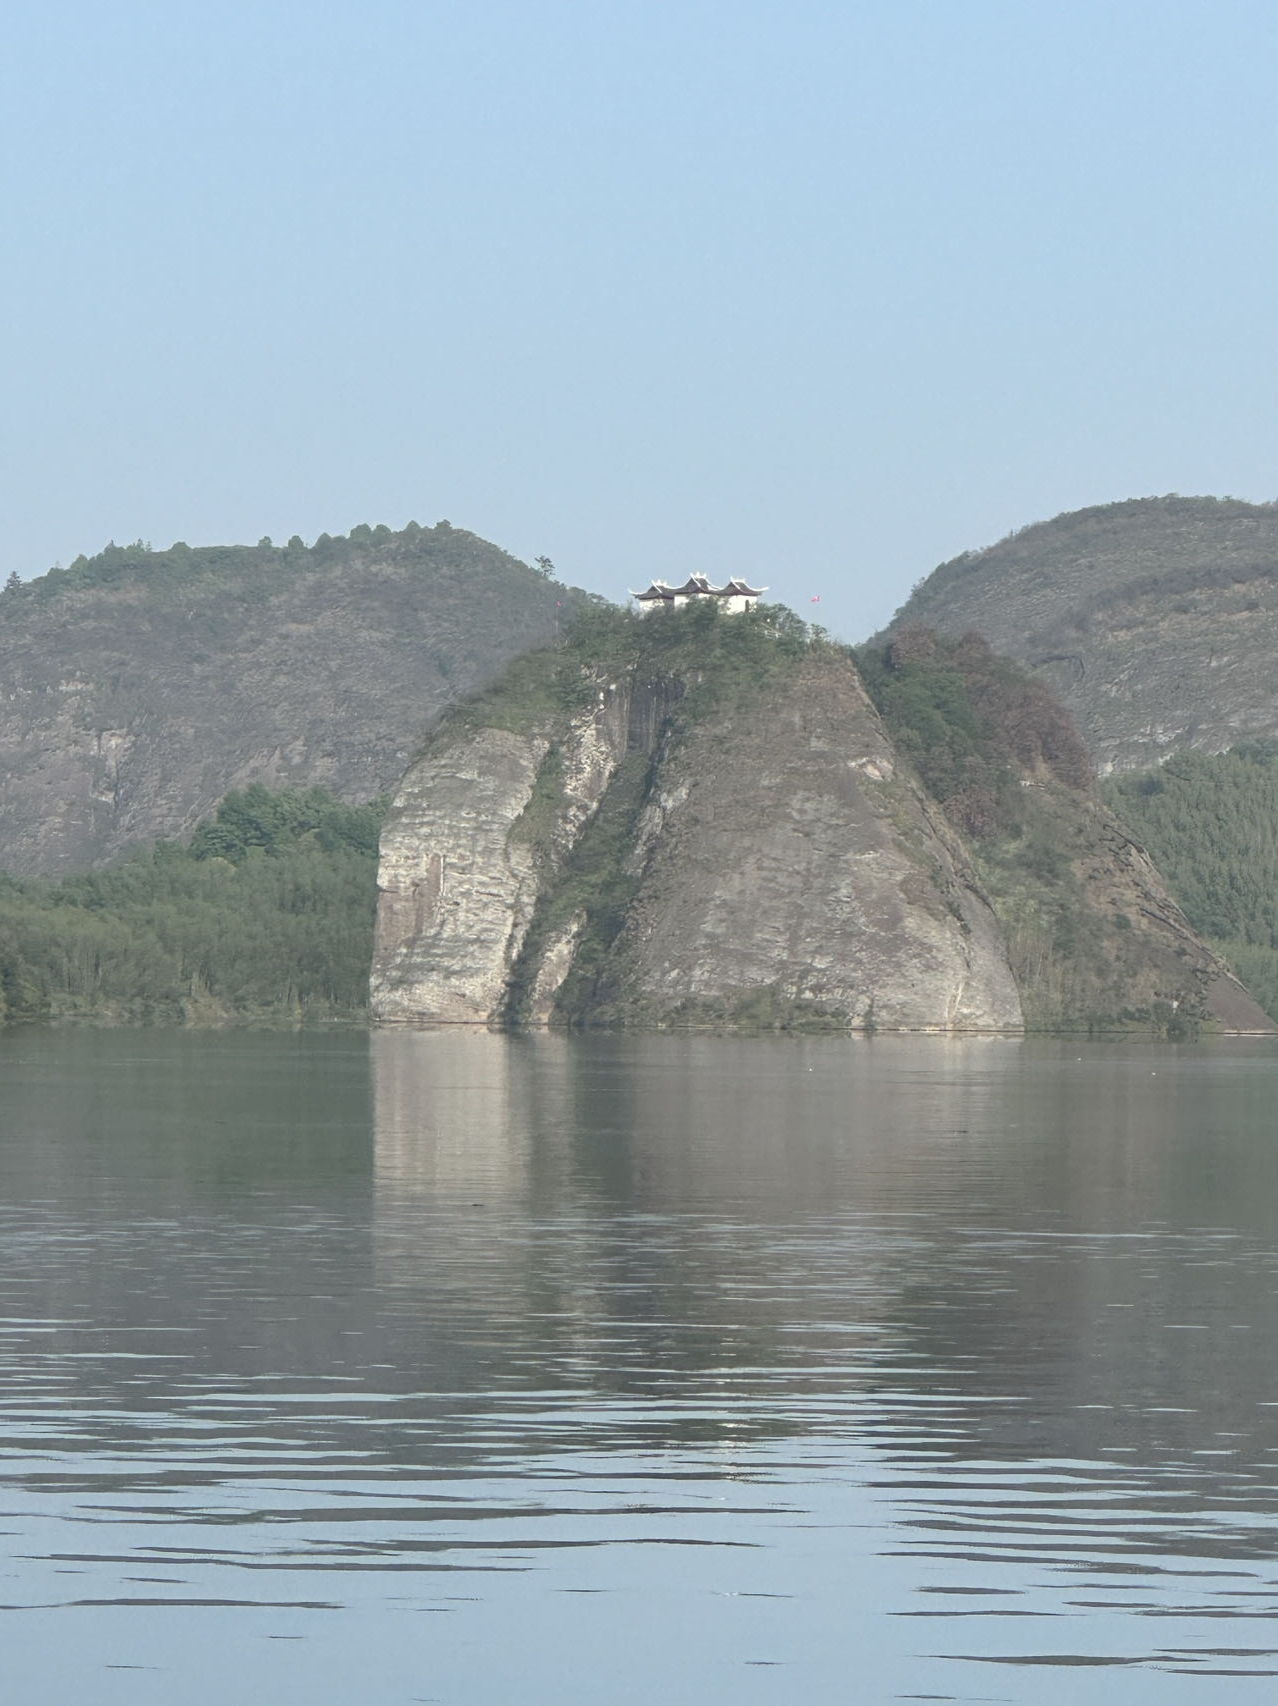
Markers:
{"x": 1211, "y": 826}
{"x": 710, "y": 655}
{"x": 698, "y": 822}
{"x": 712, "y": 827}
{"x": 267, "y": 914}
{"x": 974, "y": 725}
{"x": 1092, "y": 938}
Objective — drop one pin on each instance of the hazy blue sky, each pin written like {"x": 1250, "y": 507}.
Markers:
{"x": 818, "y": 293}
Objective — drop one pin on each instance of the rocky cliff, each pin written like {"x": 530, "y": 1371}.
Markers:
{"x": 703, "y": 821}
{"x": 137, "y": 688}
{"x": 1156, "y": 620}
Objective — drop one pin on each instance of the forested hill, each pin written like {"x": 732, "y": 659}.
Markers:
{"x": 138, "y": 687}
{"x": 267, "y": 916}
{"x": 1156, "y": 620}
{"x": 1211, "y": 824}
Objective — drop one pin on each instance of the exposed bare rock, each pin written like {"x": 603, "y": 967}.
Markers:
{"x": 553, "y": 967}
{"x": 786, "y": 874}
{"x": 779, "y": 870}
{"x": 466, "y": 851}
{"x": 456, "y": 889}
{"x": 715, "y": 830}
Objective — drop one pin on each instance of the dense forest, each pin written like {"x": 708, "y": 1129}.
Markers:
{"x": 267, "y": 913}
{"x": 1211, "y": 826}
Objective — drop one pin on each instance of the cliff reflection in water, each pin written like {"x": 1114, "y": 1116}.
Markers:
{"x": 758, "y": 1334}
{"x": 453, "y": 1114}
{"x": 1009, "y": 1247}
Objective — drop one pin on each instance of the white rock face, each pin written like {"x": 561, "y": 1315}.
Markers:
{"x": 455, "y": 891}
{"x": 556, "y": 963}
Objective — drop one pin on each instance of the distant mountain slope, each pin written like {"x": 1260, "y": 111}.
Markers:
{"x": 1156, "y": 620}
{"x": 138, "y": 687}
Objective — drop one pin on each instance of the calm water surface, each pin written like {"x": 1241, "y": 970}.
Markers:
{"x": 468, "y": 1369}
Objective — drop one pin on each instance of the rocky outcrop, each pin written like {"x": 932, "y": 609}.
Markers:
{"x": 1156, "y": 621}
{"x": 736, "y": 843}
{"x": 137, "y": 689}
{"x": 787, "y": 872}
{"x": 779, "y": 870}
{"x": 467, "y": 849}
{"x": 455, "y": 888}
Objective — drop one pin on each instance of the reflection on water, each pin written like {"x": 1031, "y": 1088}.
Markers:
{"x": 471, "y": 1368}
{"x": 453, "y": 1113}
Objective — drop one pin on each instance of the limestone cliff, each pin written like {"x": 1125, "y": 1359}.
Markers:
{"x": 775, "y": 870}
{"x": 786, "y": 870}
{"x": 456, "y": 888}
{"x": 704, "y": 822}
{"x": 469, "y": 845}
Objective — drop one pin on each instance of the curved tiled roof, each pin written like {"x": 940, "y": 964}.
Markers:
{"x": 697, "y": 586}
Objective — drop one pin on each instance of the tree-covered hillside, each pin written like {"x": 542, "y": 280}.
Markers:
{"x": 1211, "y": 826}
{"x": 266, "y": 915}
